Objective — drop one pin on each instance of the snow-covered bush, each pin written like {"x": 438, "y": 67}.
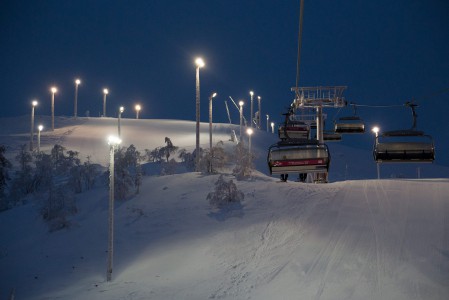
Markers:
{"x": 226, "y": 192}
{"x": 169, "y": 168}
{"x": 243, "y": 162}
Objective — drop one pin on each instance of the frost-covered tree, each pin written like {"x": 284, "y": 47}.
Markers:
{"x": 243, "y": 162}
{"x": 214, "y": 159}
{"x": 5, "y": 165}
{"x": 57, "y": 206}
{"x": 187, "y": 158}
{"x": 154, "y": 155}
{"x": 169, "y": 149}
{"x": 22, "y": 183}
{"x": 128, "y": 171}
{"x": 89, "y": 174}
{"x": 225, "y": 192}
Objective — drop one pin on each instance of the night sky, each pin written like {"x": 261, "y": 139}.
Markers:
{"x": 386, "y": 52}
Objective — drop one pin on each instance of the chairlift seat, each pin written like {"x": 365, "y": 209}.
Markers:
{"x": 421, "y": 149}
{"x": 331, "y": 136}
{"x": 349, "y": 126}
{"x": 300, "y": 157}
{"x": 294, "y": 131}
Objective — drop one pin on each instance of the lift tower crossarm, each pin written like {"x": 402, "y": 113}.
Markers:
{"x": 320, "y": 96}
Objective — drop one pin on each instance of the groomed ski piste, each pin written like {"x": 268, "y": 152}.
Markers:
{"x": 356, "y": 237}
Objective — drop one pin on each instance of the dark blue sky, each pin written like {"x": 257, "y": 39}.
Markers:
{"x": 386, "y": 52}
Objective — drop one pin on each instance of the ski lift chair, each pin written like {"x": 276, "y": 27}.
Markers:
{"x": 404, "y": 146}
{"x": 299, "y": 157}
{"x": 331, "y": 136}
{"x": 294, "y": 130}
{"x": 351, "y": 124}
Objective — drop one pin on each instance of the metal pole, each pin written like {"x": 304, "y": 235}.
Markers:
{"x": 32, "y": 128}
{"x": 378, "y": 171}
{"x": 252, "y": 110}
{"x": 197, "y": 156}
{"x": 111, "y": 214}
{"x": 52, "y": 111}
{"x": 119, "y": 117}
{"x": 260, "y": 112}
{"x": 241, "y": 121}
{"x": 210, "y": 132}
{"x": 268, "y": 117}
{"x": 210, "y": 123}
{"x": 104, "y": 104}
{"x": 75, "y": 105}
{"x": 39, "y": 141}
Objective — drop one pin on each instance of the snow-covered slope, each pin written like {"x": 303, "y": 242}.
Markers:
{"x": 354, "y": 239}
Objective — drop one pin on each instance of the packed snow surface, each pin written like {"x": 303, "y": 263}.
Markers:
{"x": 361, "y": 238}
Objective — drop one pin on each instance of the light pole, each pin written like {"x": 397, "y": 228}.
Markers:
{"x": 120, "y": 111}
{"x": 249, "y": 131}
{"x": 376, "y": 132}
{"x": 105, "y": 92}
{"x": 210, "y": 119}
{"x": 112, "y": 142}
{"x": 199, "y": 64}
{"x": 53, "y": 92}
{"x": 75, "y": 105}
{"x": 252, "y": 109}
{"x": 33, "y": 105}
{"x": 40, "y": 127}
{"x": 211, "y": 97}
{"x": 241, "y": 117}
{"x": 138, "y": 108}
{"x": 272, "y": 127}
{"x": 268, "y": 118}
{"x": 260, "y": 111}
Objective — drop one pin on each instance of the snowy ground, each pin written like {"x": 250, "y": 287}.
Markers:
{"x": 349, "y": 239}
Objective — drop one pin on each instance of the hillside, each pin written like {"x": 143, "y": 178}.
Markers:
{"x": 349, "y": 239}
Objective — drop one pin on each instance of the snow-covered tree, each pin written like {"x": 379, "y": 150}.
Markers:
{"x": 5, "y": 165}
{"x": 154, "y": 155}
{"x": 128, "y": 172}
{"x": 187, "y": 158}
{"x": 225, "y": 192}
{"x": 57, "y": 206}
{"x": 168, "y": 149}
{"x": 22, "y": 183}
{"x": 243, "y": 162}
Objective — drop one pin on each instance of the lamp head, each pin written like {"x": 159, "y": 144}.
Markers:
{"x": 249, "y": 131}
{"x": 199, "y": 62}
{"x": 105, "y": 91}
{"x": 121, "y": 109}
{"x": 40, "y": 127}
{"x": 251, "y": 93}
{"x": 241, "y": 103}
{"x": 34, "y": 103}
{"x": 77, "y": 81}
{"x": 138, "y": 107}
{"x": 113, "y": 140}
{"x": 53, "y": 89}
